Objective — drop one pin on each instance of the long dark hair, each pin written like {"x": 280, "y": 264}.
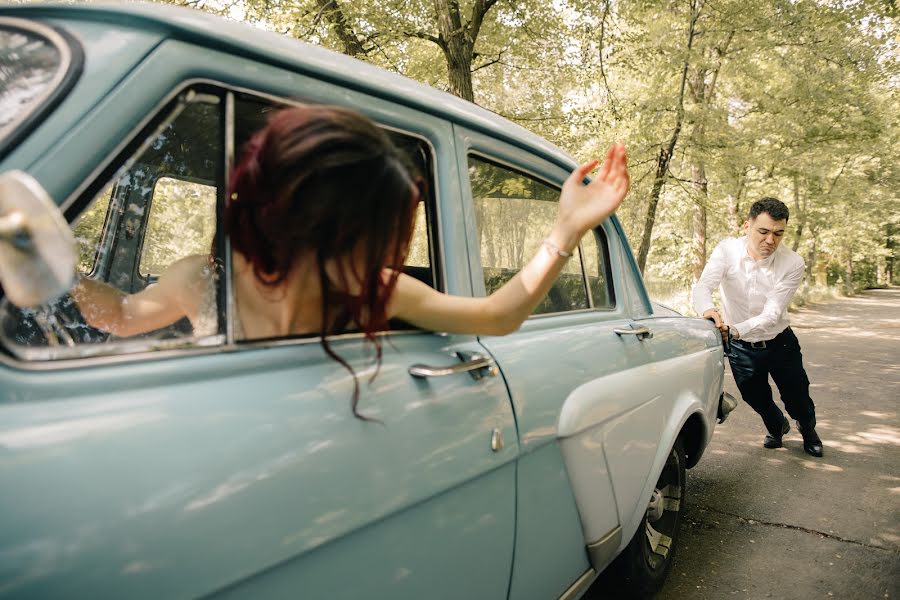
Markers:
{"x": 322, "y": 180}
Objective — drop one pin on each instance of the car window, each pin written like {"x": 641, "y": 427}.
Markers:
{"x": 595, "y": 252}
{"x": 88, "y": 228}
{"x": 250, "y": 116}
{"x": 419, "y": 255}
{"x": 161, "y": 205}
{"x": 182, "y": 223}
{"x": 33, "y": 65}
{"x": 514, "y": 213}
{"x": 158, "y": 207}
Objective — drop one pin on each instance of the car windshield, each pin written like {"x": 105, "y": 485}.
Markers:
{"x": 30, "y": 68}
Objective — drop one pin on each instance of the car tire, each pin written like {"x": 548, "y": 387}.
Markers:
{"x": 641, "y": 569}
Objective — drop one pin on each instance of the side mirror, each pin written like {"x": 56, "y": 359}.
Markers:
{"x": 37, "y": 247}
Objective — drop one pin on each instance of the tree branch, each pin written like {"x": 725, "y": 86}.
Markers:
{"x": 335, "y": 16}
{"x": 479, "y": 9}
{"x": 609, "y": 94}
{"x": 488, "y": 63}
{"x": 428, "y": 37}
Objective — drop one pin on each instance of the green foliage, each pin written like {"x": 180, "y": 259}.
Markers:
{"x": 796, "y": 99}
{"x": 182, "y": 223}
{"x": 88, "y": 228}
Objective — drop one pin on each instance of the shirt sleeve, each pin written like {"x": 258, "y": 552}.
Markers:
{"x": 776, "y": 303}
{"x": 710, "y": 279}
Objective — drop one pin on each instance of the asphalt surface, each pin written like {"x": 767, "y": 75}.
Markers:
{"x": 781, "y": 524}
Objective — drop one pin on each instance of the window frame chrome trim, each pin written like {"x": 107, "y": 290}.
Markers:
{"x": 108, "y": 359}
{"x": 127, "y": 140}
{"x": 71, "y": 66}
{"x": 230, "y": 306}
{"x": 584, "y": 275}
{"x": 153, "y": 113}
{"x": 601, "y": 238}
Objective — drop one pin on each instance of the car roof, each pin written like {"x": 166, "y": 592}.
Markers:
{"x": 245, "y": 40}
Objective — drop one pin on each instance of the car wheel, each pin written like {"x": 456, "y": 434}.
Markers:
{"x": 642, "y": 566}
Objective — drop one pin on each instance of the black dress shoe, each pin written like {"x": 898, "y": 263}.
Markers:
{"x": 812, "y": 445}
{"x": 775, "y": 442}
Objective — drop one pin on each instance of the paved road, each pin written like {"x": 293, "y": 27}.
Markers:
{"x": 780, "y": 524}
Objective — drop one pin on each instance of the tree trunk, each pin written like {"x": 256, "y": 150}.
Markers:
{"x": 332, "y": 13}
{"x": 662, "y": 166}
{"x": 459, "y": 71}
{"x": 665, "y": 153}
{"x": 734, "y": 207}
{"x": 811, "y": 263}
{"x": 698, "y": 174}
{"x": 799, "y": 215}
{"x": 703, "y": 92}
{"x": 889, "y": 259}
{"x": 457, "y": 40}
{"x": 848, "y": 282}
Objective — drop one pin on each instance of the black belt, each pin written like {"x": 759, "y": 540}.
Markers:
{"x": 759, "y": 345}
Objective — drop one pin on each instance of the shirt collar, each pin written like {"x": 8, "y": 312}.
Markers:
{"x": 765, "y": 262}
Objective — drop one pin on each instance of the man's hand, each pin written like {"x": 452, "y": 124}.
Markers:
{"x": 716, "y": 318}
{"x": 714, "y": 315}
{"x": 583, "y": 207}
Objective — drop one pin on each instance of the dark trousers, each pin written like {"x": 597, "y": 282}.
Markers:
{"x": 781, "y": 358}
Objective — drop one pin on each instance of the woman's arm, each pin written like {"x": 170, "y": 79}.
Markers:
{"x": 157, "y": 306}
{"x": 581, "y": 208}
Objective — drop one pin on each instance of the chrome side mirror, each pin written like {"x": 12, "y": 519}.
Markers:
{"x": 37, "y": 247}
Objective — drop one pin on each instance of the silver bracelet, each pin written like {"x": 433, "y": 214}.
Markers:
{"x": 553, "y": 248}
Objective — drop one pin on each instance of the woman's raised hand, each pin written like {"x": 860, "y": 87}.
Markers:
{"x": 583, "y": 207}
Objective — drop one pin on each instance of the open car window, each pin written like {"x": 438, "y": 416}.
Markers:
{"x": 250, "y": 115}
{"x": 159, "y": 206}
{"x": 513, "y": 213}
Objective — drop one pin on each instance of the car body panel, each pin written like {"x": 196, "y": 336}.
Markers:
{"x": 588, "y": 355}
{"x": 157, "y": 500}
{"x": 234, "y": 440}
{"x": 549, "y": 551}
{"x": 110, "y": 53}
{"x": 238, "y": 469}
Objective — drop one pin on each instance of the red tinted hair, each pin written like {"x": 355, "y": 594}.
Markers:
{"x": 321, "y": 180}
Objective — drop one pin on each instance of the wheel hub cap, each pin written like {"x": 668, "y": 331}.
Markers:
{"x": 656, "y": 507}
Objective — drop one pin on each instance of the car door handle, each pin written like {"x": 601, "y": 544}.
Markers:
{"x": 642, "y": 332}
{"x": 474, "y": 364}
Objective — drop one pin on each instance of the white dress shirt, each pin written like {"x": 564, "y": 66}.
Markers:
{"x": 756, "y": 293}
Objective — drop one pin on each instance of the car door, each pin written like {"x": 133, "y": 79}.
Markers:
{"x": 188, "y": 463}
{"x": 572, "y": 368}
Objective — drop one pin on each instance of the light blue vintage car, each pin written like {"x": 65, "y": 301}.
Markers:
{"x": 190, "y": 463}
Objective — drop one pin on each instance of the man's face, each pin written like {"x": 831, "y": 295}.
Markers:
{"x": 763, "y": 235}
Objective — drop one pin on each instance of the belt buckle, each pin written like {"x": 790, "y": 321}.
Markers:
{"x": 758, "y": 345}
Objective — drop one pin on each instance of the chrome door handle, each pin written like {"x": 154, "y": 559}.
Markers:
{"x": 642, "y": 332}
{"x": 474, "y": 364}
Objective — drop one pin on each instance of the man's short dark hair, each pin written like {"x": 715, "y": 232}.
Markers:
{"x": 777, "y": 209}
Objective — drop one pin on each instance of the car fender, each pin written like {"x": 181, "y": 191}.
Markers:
{"x": 688, "y": 408}
{"x": 598, "y": 423}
